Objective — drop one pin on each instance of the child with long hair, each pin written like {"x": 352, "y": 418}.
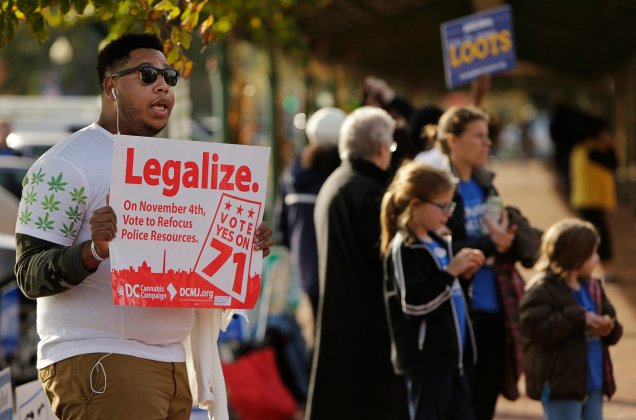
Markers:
{"x": 568, "y": 323}
{"x": 431, "y": 334}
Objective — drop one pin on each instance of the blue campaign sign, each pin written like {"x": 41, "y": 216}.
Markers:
{"x": 478, "y": 44}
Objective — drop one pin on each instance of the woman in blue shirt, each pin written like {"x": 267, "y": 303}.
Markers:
{"x": 464, "y": 134}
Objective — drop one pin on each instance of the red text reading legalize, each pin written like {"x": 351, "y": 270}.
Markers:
{"x": 174, "y": 174}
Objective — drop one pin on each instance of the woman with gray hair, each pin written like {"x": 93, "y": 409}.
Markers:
{"x": 364, "y": 132}
{"x": 352, "y": 376}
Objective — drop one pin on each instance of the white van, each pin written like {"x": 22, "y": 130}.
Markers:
{"x": 34, "y": 143}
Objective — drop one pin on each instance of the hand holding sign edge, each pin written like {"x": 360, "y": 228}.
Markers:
{"x": 103, "y": 225}
{"x": 263, "y": 239}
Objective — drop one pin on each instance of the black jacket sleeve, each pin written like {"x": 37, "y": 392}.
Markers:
{"x": 424, "y": 287}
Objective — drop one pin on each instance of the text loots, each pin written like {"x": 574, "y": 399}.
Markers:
{"x": 483, "y": 46}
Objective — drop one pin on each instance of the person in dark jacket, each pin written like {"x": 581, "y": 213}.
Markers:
{"x": 298, "y": 190}
{"x": 568, "y": 323}
{"x": 352, "y": 377}
{"x": 567, "y": 129}
{"x": 431, "y": 334}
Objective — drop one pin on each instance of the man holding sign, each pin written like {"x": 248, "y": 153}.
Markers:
{"x": 96, "y": 359}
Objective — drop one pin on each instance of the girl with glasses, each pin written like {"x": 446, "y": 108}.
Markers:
{"x": 431, "y": 336}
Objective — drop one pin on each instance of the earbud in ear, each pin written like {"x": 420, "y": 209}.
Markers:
{"x": 113, "y": 92}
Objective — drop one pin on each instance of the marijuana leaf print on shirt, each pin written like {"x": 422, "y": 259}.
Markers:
{"x": 57, "y": 206}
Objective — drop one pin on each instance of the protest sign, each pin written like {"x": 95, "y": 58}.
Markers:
{"x": 32, "y": 402}
{"x": 9, "y": 319}
{"x": 186, "y": 217}
{"x": 482, "y": 43}
{"x": 6, "y": 395}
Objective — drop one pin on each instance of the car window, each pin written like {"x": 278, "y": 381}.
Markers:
{"x": 11, "y": 180}
{"x": 7, "y": 261}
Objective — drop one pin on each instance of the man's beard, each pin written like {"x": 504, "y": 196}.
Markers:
{"x": 134, "y": 124}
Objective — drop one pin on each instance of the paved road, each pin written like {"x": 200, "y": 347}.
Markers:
{"x": 530, "y": 186}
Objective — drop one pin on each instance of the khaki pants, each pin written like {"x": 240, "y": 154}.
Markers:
{"x": 126, "y": 388}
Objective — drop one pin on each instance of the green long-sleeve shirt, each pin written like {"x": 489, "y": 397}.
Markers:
{"x": 44, "y": 268}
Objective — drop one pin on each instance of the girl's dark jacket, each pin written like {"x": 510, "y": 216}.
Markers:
{"x": 420, "y": 309}
{"x": 555, "y": 350}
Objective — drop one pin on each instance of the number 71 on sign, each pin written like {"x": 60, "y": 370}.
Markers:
{"x": 231, "y": 235}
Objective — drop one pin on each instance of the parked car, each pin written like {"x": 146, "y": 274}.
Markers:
{"x": 12, "y": 172}
{"x": 8, "y": 212}
{"x": 35, "y": 143}
{"x": 18, "y": 334}
{"x": 7, "y": 259}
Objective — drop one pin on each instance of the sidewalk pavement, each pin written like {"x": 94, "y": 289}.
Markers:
{"x": 530, "y": 186}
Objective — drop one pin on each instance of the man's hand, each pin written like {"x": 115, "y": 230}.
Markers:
{"x": 103, "y": 225}
{"x": 263, "y": 239}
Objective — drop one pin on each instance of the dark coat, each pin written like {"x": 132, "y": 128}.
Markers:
{"x": 553, "y": 328}
{"x": 295, "y": 203}
{"x": 352, "y": 376}
{"x": 419, "y": 303}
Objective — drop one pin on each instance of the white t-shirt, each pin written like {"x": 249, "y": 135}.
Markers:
{"x": 61, "y": 192}
{"x": 434, "y": 157}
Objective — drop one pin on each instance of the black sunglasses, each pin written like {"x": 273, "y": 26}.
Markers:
{"x": 149, "y": 74}
{"x": 445, "y": 208}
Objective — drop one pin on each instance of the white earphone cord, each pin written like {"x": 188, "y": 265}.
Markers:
{"x": 99, "y": 366}
{"x": 117, "y": 107}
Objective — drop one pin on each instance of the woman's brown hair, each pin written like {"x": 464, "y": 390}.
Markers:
{"x": 455, "y": 120}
